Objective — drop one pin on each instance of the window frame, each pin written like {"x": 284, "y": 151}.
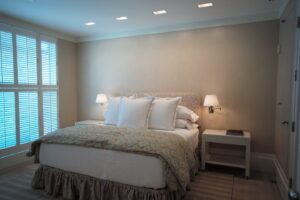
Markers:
{"x": 39, "y": 87}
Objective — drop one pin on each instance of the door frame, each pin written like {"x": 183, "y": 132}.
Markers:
{"x": 294, "y": 161}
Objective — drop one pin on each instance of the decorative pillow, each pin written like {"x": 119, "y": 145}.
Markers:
{"x": 163, "y": 113}
{"x": 185, "y": 124}
{"x": 185, "y": 113}
{"x": 112, "y": 110}
{"x": 134, "y": 113}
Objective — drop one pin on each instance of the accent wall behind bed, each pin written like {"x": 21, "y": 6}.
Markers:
{"x": 237, "y": 63}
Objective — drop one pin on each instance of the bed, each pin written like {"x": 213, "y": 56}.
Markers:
{"x": 73, "y": 172}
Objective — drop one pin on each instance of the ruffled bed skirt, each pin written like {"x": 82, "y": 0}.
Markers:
{"x": 56, "y": 182}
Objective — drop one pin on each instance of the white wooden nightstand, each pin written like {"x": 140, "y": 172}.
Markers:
{"x": 89, "y": 123}
{"x": 219, "y": 136}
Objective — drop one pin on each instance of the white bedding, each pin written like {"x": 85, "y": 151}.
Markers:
{"x": 122, "y": 167}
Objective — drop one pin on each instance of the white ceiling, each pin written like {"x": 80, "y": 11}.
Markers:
{"x": 69, "y": 16}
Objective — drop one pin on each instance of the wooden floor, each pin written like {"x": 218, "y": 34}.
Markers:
{"x": 213, "y": 184}
{"x": 219, "y": 183}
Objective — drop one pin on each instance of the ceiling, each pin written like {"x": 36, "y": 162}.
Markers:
{"x": 68, "y": 16}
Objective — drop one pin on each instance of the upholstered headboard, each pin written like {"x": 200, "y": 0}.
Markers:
{"x": 190, "y": 100}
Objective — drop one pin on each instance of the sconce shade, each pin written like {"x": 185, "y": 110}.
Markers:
{"x": 211, "y": 100}
{"x": 101, "y": 98}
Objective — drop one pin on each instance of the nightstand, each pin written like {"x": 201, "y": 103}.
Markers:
{"x": 89, "y": 123}
{"x": 219, "y": 136}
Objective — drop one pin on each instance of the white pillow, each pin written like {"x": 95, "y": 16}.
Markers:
{"x": 163, "y": 113}
{"x": 185, "y": 113}
{"x": 112, "y": 110}
{"x": 185, "y": 124}
{"x": 134, "y": 113}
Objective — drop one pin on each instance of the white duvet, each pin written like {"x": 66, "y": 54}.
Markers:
{"x": 121, "y": 167}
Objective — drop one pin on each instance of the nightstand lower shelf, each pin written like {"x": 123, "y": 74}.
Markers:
{"x": 226, "y": 161}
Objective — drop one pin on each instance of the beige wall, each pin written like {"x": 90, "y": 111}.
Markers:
{"x": 237, "y": 63}
{"x": 67, "y": 77}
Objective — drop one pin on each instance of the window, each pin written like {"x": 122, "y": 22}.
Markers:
{"x": 28, "y": 88}
{"x": 26, "y": 60}
{"x": 6, "y": 62}
{"x": 50, "y": 111}
{"x": 29, "y": 116}
{"x": 7, "y": 120}
{"x": 48, "y": 63}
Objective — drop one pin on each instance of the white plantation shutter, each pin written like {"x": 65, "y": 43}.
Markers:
{"x": 6, "y": 58}
{"x": 29, "y": 116}
{"x": 50, "y": 111}
{"x": 7, "y": 120}
{"x": 48, "y": 62}
{"x": 26, "y": 59}
{"x": 28, "y": 88}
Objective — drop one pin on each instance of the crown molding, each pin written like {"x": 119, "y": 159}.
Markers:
{"x": 14, "y": 22}
{"x": 283, "y": 6}
{"x": 188, "y": 26}
{"x": 21, "y": 24}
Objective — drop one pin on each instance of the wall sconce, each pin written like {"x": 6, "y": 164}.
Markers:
{"x": 211, "y": 101}
{"x": 101, "y": 98}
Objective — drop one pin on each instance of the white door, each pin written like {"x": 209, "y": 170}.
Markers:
{"x": 295, "y": 139}
{"x": 296, "y": 146}
{"x": 297, "y": 101}
{"x": 286, "y": 64}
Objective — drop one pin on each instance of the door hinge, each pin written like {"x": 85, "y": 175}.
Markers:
{"x": 293, "y": 126}
{"x": 298, "y": 22}
{"x": 278, "y": 49}
{"x": 290, "y": 183}
{"x": 296, "y": 75}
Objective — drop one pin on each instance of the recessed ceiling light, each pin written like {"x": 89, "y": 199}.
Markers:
{"x": 159, "y": 12}
{"x": 89, "y": 23}
{"x": 122, "y": 18}
{"x": 204, "y": 5}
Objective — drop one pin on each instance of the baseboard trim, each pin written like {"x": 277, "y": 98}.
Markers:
{"x": 268, "y": 163}
{"x": 14, "y": 160}
{"x": 281, "y": 180}
{"x": 263, "y": 162}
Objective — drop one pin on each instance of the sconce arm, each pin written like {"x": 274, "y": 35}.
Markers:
{"x": 211, "y": 109}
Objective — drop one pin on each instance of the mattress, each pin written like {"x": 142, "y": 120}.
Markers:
{"x": 122, "y": 167}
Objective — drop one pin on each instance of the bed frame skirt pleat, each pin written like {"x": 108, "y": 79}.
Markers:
{"x": 69, "y": 185}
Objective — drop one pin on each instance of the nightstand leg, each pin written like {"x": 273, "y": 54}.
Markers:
{"x": 248, "y": 153}
{"x": 203, "y": 154}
